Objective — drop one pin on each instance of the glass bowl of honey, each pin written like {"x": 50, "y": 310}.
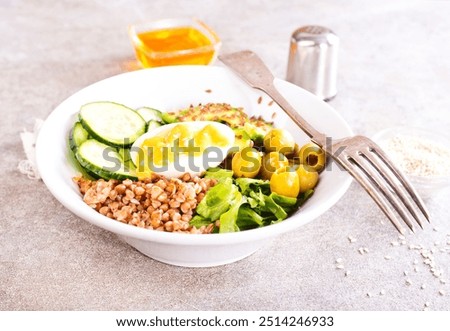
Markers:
{"x": 174, "y": 42}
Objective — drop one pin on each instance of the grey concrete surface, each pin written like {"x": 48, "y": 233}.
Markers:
{"x": 394, "y": 69}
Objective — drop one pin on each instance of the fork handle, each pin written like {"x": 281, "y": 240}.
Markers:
{"x": 252, "y": 70}
{"x": 315, "y": 136}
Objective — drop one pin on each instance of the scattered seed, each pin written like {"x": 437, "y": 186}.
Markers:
{"x": 415, "y": 261}
{"x": 427, "y": 304}
{"x": 361, "y": 250}
{"x": 408, "y": 282}
{"x": 259, "y": 100}
{"x": 401, "y": 237}
{"x": 436, "y": 229}
{"x": 387, "y": 257}
{"x": 423, "y": 287}
{"x": 382, "y": 292}
{"x": 351, "y": 239}
{"x": 347, "y": 273}
{"x": 339, "y": 260}
{"x": 416, "y": 269}
{"x": 208, "y": 91}
{"x": 270, "y": 103}
{"x": 395, "y": 243}
{"x": 369, "y": 295}
{"x": 441, "y": 292}
{"x": 366, "y": 250}
{"x": 274, "y": 115}
{"x": 405, "y": 273}
{"x": 443, "y": 281}
{"x": 339, "y": 266}
{"x": 403, "y": 242}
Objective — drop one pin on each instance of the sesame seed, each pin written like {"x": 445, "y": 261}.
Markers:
{"x": 441, "y": 292}
{"x": 339, "y": 260}
{"x": 347, "y": 273}
{"x": 437, "y": 243}
{"x": 394, "y": 243}
{"x": 366, "y": 250}
{"x": 387, "y": 257}
{"x": 403, "y": 242}
{"x": 339, "y": 266}
{"x": 369, "y": 295}
{"x": 401, "y": 237}
{"x": 436, "y": 229}
{"x": 416, "y": 269}
{"x": 423, "y": 287}
{"x": 408, "y": 282}
{"x": 443, "y": 281}
{"x": 427, "y": 304}
{"x": 405, "y": 273}
{"x": 361, "y": 250}
{"x": 382, "y": 292}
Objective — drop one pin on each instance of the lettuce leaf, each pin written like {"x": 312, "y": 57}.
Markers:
{"x": 218, "y": 173}
{"x": 217, "y": 200}
{"x": 248, "y": 218}
{"x": 228, "y": 219}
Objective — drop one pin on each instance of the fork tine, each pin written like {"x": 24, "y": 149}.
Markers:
{"x": 368, "y": 185}
{"x": 378, "y": 179}
{"x": 390, "y": 179}
{"x": 405, "y": 182}
{"x": 374, "y": 176}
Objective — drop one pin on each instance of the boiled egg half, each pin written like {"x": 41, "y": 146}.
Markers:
{"x": 186, "y": 147}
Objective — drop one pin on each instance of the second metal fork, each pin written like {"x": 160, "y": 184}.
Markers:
{"x": 359, "y": 155}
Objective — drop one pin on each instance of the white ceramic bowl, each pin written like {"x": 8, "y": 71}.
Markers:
{"x": 173, "y": 88}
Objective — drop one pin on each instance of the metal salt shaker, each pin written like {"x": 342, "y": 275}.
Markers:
{"x": 312, "y": 61}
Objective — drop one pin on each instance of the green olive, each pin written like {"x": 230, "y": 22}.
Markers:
{"x": 279, "y": 140}
{"x": 285, "y": 182}
{"x": 307, "y": 177}
{"x": 312, "y": 156}
{"x": 272, "y": 162}
{"x": 246, "y": 163}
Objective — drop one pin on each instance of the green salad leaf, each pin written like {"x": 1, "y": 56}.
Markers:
{"x": 218, "y": 173}
{"x": 248, "y": 218}
{"x": 217, "y": 200}
{"x": 248, "y": 185}
{"x": 228, "y": 219}
{"x": 243, "y": 203}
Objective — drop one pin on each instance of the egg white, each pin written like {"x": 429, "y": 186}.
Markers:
{"x": 194, "y": 165}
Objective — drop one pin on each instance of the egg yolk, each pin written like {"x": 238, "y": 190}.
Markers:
{"x": 162, "y": 149}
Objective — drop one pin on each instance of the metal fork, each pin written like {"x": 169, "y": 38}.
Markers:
{"x": 359, "y": 155}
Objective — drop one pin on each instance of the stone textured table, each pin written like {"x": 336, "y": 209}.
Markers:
{"x": 394, "y": 69}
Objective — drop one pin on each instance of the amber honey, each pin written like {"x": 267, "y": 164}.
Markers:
{"x": 172, "y": 46}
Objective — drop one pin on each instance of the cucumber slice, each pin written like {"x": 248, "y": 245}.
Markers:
{"x": 112, "y": 123}
{"x": 77, "y": 136}
{"x": 103, "y": 160}
{"x": 125, "y": 155}
{"x": 153, "y": 125}
{"x": 149, "y": 114}
{"x": 169, "y": 118}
